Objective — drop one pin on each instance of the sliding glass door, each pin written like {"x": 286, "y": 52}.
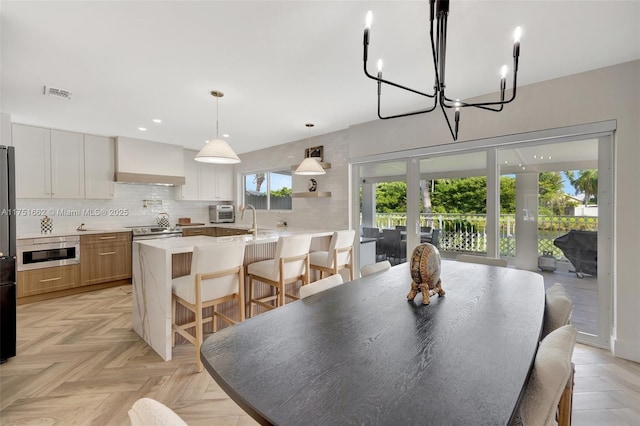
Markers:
{"x": 383, "y": 212}
{"x": 544, "y": 204}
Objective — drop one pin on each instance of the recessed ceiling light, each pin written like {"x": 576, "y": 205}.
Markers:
{"x": 225, "y": 135}
{"x": 142, "y": 129}
{"x": 157, "y": 120}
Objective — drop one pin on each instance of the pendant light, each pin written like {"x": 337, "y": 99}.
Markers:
{"x": 309, "y": 166}
{"x": 217, "y": 151}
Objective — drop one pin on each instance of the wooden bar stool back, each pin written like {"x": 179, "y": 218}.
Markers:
{"x": 290, "y": 264}
{"x": 339, "y": 256}
{"x": 217, "y": 276}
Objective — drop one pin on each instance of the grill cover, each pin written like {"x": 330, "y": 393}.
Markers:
{"x": 581, "y": 248}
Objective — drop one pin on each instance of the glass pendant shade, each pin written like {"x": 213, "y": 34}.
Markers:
{"x": 217, "y": 151}
{"x": 309, "y": 166}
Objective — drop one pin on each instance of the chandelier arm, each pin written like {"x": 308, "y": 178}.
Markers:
{"x": 484, "y": 105}
{"x": 422, "y": 111}
{"x": 399, "y": 86}
{"x": 461, "y": 104}
{"x": 446, "y": 118}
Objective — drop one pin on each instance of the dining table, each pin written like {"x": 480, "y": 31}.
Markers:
{"x": 362, "y": 353}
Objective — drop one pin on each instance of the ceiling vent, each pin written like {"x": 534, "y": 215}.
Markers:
{"x": 58, "y": 93}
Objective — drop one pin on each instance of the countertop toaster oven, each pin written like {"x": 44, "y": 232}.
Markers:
{"x": 222, "y": 213}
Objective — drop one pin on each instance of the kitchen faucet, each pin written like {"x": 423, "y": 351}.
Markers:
{"x": 254, "y": 228}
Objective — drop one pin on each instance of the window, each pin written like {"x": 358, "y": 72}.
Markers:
{"x": 268, "y": 190}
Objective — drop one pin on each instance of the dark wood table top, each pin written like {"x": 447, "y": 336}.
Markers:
{"x": 360, "y": 353}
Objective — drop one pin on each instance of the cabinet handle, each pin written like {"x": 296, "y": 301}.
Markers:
{"x": 196, "y": 232}
{"x": 107, "y": 253}
{"x": 50, "y": 279}
{"x": 108, "y": 238}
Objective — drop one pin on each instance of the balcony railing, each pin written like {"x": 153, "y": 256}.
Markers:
{"x": 466, "y": 233}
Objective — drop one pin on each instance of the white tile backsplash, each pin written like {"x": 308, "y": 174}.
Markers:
{"x": 126, "y": 209}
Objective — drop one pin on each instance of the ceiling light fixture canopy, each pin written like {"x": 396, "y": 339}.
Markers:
{"x": 438, "y": 51}
{"x": 309, "y": 166}
{"x": 217, "y": 151}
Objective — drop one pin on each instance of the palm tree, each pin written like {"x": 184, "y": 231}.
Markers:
{"x": 586, "y": 182}
{"x": 426, "y": 195}
{"x": 259, "y": 179}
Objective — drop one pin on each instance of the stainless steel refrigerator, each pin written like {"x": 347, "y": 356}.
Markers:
{"x": 7, "y": 254}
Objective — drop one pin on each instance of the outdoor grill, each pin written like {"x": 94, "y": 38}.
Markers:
{"x": 581, "y": 248}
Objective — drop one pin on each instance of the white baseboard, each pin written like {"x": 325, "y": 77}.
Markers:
{"x": 627, "y": 349}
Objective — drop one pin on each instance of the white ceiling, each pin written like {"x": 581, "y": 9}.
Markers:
{"x": 280, "y": 64}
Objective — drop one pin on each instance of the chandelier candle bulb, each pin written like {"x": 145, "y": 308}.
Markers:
{"x": 367, "y": 28}
{"x": 516, "y": 47}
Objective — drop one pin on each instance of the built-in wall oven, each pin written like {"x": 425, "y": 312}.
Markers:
{"x": 45, "y": 252}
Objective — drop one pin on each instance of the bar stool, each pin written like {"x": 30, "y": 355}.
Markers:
{"x": 291, "y": 264}
{"x": 216, "y": 277}
{"x": 339, "y": 256}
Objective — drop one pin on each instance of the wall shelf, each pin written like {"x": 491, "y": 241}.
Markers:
{"x": 324, "y": 166}
{"x": 317, "y": 194}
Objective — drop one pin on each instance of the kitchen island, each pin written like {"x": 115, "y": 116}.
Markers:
{"x": 156, "y": 262}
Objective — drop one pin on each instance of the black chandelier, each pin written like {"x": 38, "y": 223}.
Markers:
{"x": 439, "y": 49}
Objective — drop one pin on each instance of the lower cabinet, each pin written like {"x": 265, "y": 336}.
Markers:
{"x": 213, "y": 231}
{"x": 203, "y": 231}
{"x": 47, "y": 280}
{"x": 225, "y": 232}
{"x": 105, "y": 257}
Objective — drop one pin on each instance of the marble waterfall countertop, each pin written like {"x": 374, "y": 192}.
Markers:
{"x": 152, "y": 275}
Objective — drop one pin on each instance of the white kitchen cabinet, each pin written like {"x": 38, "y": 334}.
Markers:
{"x": 224, "y": 182}
{"x": 33, "y": 161}
{"x": 189, "y": 191}
{"x": 216, "y": 182}
{"x": 99, "y": 167}
{"x": 67, "y": 164}
{"x": 49, "y": 163}
{"x": 206, "y": 182}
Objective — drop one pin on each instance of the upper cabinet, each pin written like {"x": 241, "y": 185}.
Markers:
{"x": 208, "y": 182}
{"x": 49, "y": 163}
{"x": 67, "y": 164}
{"x": 59, "y": 164}
{"x": 99, "y": 167}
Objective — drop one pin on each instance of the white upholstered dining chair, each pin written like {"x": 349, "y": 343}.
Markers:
{"x": 149, "y": 412}
{"x": 557, "y": 308}
{"x": 290, "y": 264}
{"x": 557, "y": 313}
{"x": 374, "y": 268}
{"x": 216, "y": 277}
{"x": 470, "y": 258}
{"x": 339, "y": 256}
{"x": 320, "y": 285}
{"x": 551, "y": 370}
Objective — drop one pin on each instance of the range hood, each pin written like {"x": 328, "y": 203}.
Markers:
{"x": 147, "y": 162}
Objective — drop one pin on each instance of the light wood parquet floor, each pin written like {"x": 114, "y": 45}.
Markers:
{"x": 80, "y": 363}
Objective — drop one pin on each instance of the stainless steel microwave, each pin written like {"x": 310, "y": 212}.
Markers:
{"x": 222, "y": 213}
